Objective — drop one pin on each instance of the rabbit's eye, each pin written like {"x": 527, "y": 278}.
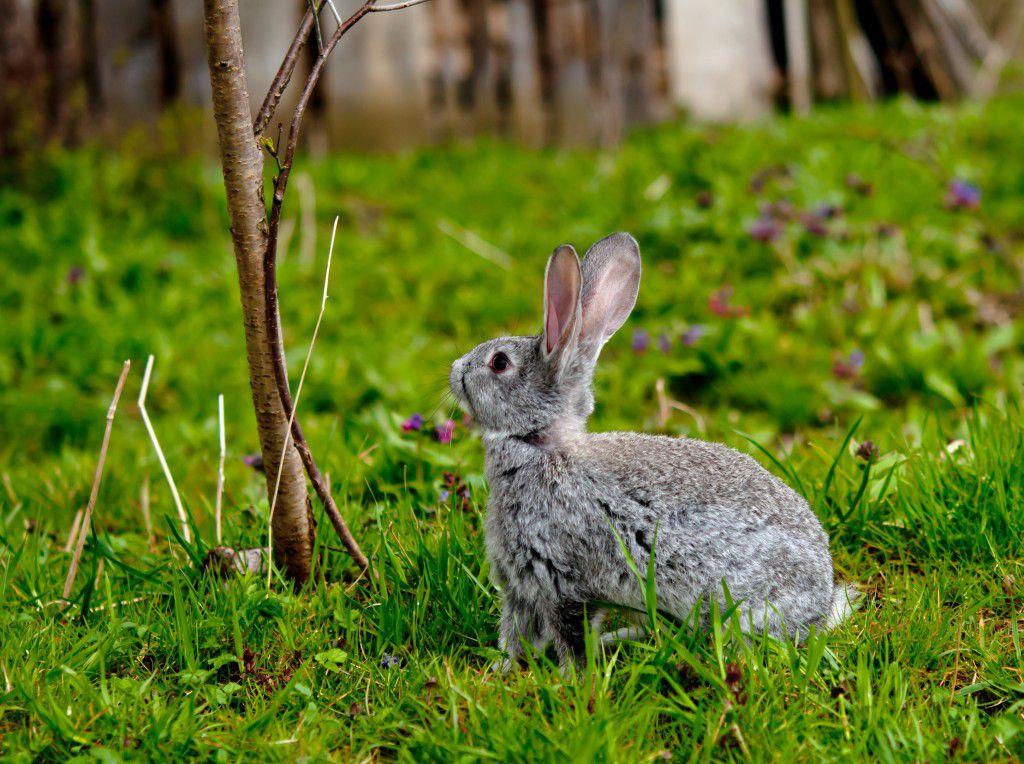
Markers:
{"x": 499, "y": 362}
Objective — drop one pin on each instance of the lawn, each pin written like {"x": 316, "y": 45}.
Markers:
{"x": 841, "y": 296}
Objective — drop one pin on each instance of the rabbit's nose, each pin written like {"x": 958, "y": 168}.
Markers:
{"x": 455, "y": 375}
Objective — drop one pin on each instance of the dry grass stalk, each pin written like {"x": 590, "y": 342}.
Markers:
{"x": 220, "y": 466}
{"x": 298, "y": 393}
{"x": 69, "y": 582}
{"x": 307, "y": 219}
{"x": 475, "y": 243}
{"x": 186, "y": 534}
{"x": 9, "y": 488}
{"x": 73, "y": 535}
{"x": 666, "y": 404}
{"x": 147, "y": 520}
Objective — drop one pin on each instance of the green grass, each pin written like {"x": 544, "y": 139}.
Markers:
{"x": 112, "y": 253}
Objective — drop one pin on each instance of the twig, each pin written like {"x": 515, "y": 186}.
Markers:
{"x": 322, "y": 488}
{"x": 273, "y": 316}
{"x": 374, "y": 8}
{"x": 284, "y": 74}
{"x": 186, "y": 534}
{"x": 69, "y": 582}
{"x": 220, "y": 465}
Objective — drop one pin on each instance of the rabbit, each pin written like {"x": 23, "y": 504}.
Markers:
{"x": 565, "y": 504}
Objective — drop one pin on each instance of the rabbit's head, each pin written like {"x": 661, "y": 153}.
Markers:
{"x": 540, "y": 386}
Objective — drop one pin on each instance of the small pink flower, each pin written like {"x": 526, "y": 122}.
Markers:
{"x": 765, "y": 229}
{"x": 444, "y": 432}
{"x": 718, "y": 303}
{"x": 413, "y": 423}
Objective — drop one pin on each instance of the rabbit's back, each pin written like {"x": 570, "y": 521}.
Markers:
{"x": 712, "y": 514}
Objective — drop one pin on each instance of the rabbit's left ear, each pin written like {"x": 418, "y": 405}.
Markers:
{"x": 562, "y": 281}
{"x": 611, "y": 282}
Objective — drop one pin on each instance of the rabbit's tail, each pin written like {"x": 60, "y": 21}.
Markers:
{"x": 844, "y": 598}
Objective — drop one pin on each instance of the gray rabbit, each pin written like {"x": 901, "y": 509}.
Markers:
{"x": 565, "y": 503}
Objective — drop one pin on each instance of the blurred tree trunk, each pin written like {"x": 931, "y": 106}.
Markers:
{"x": 57, "y": 22}
{"x": 20, "y": 70}
{"x": 162, "y": 13}
{"x": 242, "y": 165}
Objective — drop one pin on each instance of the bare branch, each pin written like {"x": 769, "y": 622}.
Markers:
{"x": 185, "y": 532}
{"x": 273, "y": 317}
{"x": 83, "y": 531}
{"x": 295, "y": 432}
{"x": 284, "y": 74}
{"x": 374, "y": 8}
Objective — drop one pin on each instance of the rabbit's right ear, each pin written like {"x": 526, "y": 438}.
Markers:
{"x": 611, "y": 282}
{"x": 562, "y": 281}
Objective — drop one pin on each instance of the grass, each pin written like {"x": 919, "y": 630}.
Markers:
{"x": 871, "y": 357}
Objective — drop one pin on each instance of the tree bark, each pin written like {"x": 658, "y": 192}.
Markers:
{"x": 242, "y": 164}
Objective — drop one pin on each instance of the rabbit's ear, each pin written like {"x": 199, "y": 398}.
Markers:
{"x": 611, "y": 281}
{"x": 562, "y": 280}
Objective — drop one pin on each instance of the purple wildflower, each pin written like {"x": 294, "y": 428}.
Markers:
{"x": 641, "y": 339}
{"x": 828, "y": 211}
{"x": 962, "y": 195}
{"x": 253, "y": 460}
{"x": 75, "y": 274}
{"x": 848, "y": 368}
{"x": 664, "y": 342}
{"x": 765, "y": 229}
{"x": 444, "y": 432}
{"x": 692, "y": 335}
{"x": 413, "y": 423}
{"x": 389, "y": 661}
{"x": 814, "y": 224}
{"x": 445, "y": 493}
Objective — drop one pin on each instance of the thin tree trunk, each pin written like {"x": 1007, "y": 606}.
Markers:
{"x": 242, "y": 165}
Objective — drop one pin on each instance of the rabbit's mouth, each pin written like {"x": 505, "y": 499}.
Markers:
{"x": 466, "y": 401}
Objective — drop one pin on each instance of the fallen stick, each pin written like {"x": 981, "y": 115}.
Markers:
{"x": 69, "y": 582}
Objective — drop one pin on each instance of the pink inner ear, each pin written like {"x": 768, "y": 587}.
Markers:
{"x": 551, "y": 326}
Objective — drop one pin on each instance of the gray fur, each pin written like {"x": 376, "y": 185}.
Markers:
{"x": 557, "y": 491}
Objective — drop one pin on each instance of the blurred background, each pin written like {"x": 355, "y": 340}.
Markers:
{"x": 829, "y": 201}
{"x": 567, "y": 72}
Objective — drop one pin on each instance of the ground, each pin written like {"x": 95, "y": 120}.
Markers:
{"x": 840, "y": 296}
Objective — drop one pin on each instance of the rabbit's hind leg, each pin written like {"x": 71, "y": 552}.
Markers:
{"x": 568, "y": 633}
{"x": 521, "y": 622}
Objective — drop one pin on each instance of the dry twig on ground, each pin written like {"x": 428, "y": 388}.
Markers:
{"x": 83, "y": 531}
